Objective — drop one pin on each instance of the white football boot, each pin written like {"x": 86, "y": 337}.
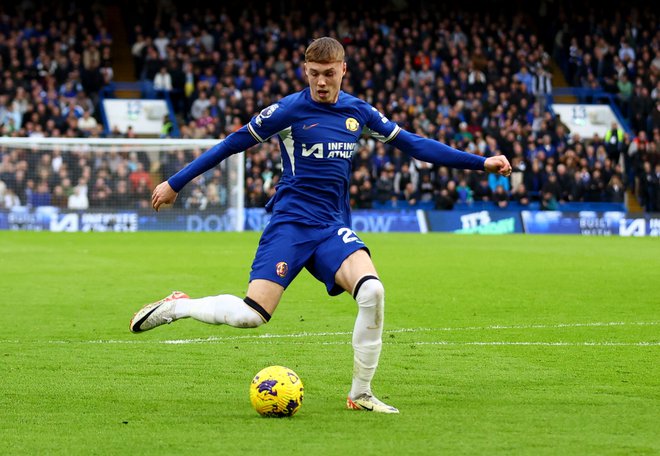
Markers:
{"x": 156, "y": 313}
{"x": 369, "y": 403}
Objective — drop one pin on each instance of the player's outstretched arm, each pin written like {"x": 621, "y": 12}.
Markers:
{"x": 234, "y": 143}
{"x": 163, "y": 194}
{"x": 432, "y": 151}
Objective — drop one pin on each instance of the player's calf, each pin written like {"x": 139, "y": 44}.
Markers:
{"x": 217, "y": 310}
{"x": 224, "y": 310}
{"x": 367, "y": 333}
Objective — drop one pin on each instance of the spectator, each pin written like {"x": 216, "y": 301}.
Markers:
{"x": 163, "y": 80}
{"x": 552, "y": 186}
{"x": 101, "y": 194}
{"x": 501, "y": 197}
{"x": 444, "y": 201}
{"x": 614, "y": 142}
{"x": 520, "y": 195}
{"x": 402, "y": 178}
{"x": 41, "y": 195}
{"x": 494, "y": 183}
{"x": 139, "y": 176}
{"x": 198, "y": 201}
{"x": 426, "y": 189}
{"x": 199, "y": 105}
{"x": 121, "y": 196}
{"x": 615, "y": 193}
{"x": 482, "y": 191}
{"x": 465, "y": 193}
{"x": 87, "y": 124}
{"x": 385, "y": 185}
{"x": 59, "y": 198}
{"x": 10, "y": 199}
{"x": 78, "y": 199}
{"x": 409, "y": 194}
{"x": 549, "y": 202}
{"x": 650, "y": 185}
{"x": 366, "y": 195}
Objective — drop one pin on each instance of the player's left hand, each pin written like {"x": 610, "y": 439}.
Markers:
{"x": 498, "y": 165}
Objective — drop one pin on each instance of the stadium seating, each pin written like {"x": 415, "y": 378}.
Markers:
{"x": 477, "y": 82}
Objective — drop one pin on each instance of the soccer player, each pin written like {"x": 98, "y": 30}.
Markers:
{"x": 310, "y": 227}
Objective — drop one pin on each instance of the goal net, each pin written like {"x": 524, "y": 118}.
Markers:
{"x": 105, "y": 184}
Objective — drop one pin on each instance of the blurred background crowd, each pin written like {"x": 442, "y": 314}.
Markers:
{"x": 477, "y": 81}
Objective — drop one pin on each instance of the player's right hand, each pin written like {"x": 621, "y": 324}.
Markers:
{"x": 163, "y": 194}
{"x": 498, "y": 164}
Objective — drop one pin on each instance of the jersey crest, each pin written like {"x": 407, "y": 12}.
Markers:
{"x": 352, "y": 124}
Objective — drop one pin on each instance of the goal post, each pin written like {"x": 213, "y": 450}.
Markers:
{"x": 105, "y": 184}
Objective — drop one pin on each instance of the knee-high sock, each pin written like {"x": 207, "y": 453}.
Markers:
{"x": 219, "y": 310}
{"x": 367, "y": 334}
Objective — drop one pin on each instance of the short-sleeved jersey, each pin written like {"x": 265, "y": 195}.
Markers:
{"x": 317, "y": 143}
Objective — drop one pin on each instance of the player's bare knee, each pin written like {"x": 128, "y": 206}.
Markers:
{"x": 257, "y": 317}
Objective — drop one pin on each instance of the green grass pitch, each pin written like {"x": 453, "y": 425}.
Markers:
{"x": 492, "y": 345}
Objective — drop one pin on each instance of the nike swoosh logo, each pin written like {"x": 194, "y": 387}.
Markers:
{"x": 307, "y": 127}
{"x": 143, "y": 319}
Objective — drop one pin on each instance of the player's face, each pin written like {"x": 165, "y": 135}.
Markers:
{"x": 325, "y": 80}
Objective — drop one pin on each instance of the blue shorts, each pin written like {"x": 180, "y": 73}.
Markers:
{"x": 286, "y": 247}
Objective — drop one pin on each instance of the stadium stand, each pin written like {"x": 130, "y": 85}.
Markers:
{"x": 476, "y": 81}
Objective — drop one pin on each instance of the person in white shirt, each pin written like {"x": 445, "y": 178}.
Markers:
{"x": 163, "y": 80}
{"x": 87, "y": 123}
{"x": 10, "y": 199}
{"x": 78, "y": 199}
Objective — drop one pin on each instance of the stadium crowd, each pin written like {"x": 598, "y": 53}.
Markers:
{"x": 476, "y": 81}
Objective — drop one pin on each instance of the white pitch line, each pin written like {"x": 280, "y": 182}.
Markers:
{"x": 386, "y": 342}
{"x": 477, "y": 343}
{"x": 547, "y": 344}
{"x": 256, "y": 337}
{"x": 412, "y": 330}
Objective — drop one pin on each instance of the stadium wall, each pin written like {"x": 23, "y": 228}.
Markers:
{"x": 479, "y": 221}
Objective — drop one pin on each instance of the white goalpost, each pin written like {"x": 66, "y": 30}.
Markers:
{"x": 104, "y": 184}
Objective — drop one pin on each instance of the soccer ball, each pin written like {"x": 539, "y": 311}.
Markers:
{"x": 276, "y": 391}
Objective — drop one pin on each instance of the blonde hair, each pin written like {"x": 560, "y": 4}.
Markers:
{"x": 324, "y": 50}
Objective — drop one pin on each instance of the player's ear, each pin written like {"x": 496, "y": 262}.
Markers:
{"x": 343, "y": 68}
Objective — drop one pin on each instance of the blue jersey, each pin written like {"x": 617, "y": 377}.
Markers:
{"x": 317, "y": 143}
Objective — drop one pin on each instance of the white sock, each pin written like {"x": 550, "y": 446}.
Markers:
{"x": 219, "y": 310}
{"x": 367, "y": 335}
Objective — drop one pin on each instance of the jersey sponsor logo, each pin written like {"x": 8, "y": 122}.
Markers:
{"x": 281, "y": 269}
{"x": 307, "y": 127}
{"x": 315, "y": 150}
{"x": 352, "y": 124}
{"x": 266, "y": 113}
{"x": 334, "y": 150}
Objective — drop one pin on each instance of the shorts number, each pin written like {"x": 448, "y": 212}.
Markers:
{"x": 347, "y": 235}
